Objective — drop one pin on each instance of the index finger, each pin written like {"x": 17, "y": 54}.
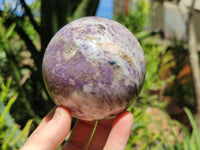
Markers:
{"x": 120, "y": 132}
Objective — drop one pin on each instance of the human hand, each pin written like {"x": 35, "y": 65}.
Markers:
{"x": 111, "y": 134}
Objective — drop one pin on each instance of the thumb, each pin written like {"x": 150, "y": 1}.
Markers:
{"x": 52, "y": 133}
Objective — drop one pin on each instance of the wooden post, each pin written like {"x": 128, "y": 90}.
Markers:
{"x": 194, "y": 58}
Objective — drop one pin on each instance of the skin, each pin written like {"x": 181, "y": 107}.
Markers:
{"x": 110, "y": 134}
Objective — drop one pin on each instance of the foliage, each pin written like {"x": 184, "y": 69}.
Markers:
{"x": 136, "y": 19}
{"x": 17, "y": 63}
{"x": 153, "y": 85}
{"x": 192, "y": 141}
{"x": 184, "y": 95}
{"x": 149, "y": 117}
{"x": 24, "y": 36}
{"x": 153, "y": 129}
{"x": 11, "y": 136}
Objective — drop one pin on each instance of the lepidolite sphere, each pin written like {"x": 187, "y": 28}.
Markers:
{"x": 95, "y": 67}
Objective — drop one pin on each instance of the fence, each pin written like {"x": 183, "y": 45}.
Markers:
{"x": 168, "y": 16}
{"x": 171, "y": 18}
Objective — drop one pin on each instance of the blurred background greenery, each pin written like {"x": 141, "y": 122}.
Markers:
{"x": 166, "y": 112}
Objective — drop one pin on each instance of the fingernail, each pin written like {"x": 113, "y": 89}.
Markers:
{"x": 60, "y": 112}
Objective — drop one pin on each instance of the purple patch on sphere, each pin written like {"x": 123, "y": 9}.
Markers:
{"x": 106, "y": 74}
{"x": 80, "y": 83}
{"x": 78, "y": 67}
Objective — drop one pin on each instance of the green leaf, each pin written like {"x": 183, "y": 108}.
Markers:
{"x": 195, "y": 137}
{"x": 85, "y": 9}
{"x": 5, "y": 89}
{"x": 8, "y": 127}
{"x": 23, "y": 134}
{"x": 10, "y": 31}
{"x": 7, "y": 108}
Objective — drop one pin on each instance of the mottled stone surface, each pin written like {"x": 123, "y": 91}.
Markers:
{"x": 95, "y": 67}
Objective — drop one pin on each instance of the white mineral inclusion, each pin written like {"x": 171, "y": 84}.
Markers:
{"x": 70, "y": 51}
{"x": 88, "y": 87}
